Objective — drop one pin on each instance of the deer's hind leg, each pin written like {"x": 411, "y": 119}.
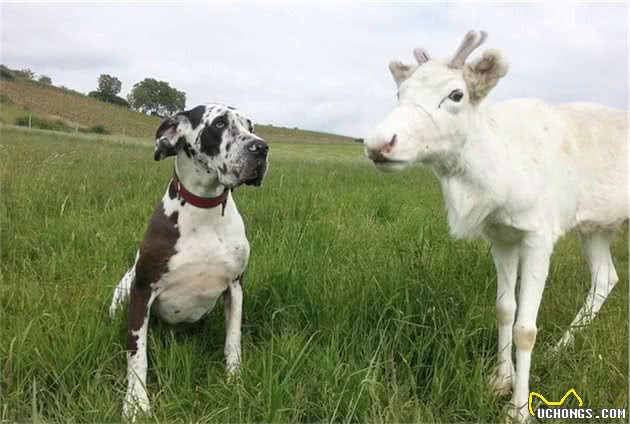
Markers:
{"x": 596, "y": 247}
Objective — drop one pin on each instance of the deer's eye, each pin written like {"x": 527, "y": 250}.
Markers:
{"x": 456, "y": 95}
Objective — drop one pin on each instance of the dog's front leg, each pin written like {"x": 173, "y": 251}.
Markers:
{"x": 141, "y": 297}
{"x": 233, "y": 301}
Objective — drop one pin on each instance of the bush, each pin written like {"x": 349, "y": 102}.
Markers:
{"x": 45, "y": 79}
{"x": 5, "y": 100}
{"x": 25, "y": 73}
{"x": 69, "y": 90}
{"x": 98, "y": 129}
{"x": 43, "y": 124}
{"x": 6, "y": 74}
{"x": 103, "y": 97}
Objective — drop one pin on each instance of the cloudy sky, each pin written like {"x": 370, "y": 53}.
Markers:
{"x": 318, "y": 66}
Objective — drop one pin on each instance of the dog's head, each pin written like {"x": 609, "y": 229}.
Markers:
{"x": 219, "y": 138}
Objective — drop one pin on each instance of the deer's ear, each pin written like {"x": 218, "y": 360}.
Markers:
{"x": 400, "y": 71}
{"x": 421, "y": 55}
{"x": 484, "y": 73}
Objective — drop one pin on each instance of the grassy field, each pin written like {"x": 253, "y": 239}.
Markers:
{"x": 24, "y": 97}
{"x": 358, "y": 306}
{"x": 56, "y": 102}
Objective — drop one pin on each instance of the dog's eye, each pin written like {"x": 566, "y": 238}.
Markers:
{"x": 219, "y": 124}
{"x": 456, "y": 95}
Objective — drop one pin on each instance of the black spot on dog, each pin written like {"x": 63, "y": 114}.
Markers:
{"x": 172, "y": 191}
{"x": 211, "y": 136}
{"x": 227, "y": 147}
{"x": 223, "y": 168}
{"x": 189, "y": 152}
{"x": 195, "y": 115}
{"x": 156, "y": 249}
{"x": 236, "y": 173}
{"x": 165, "y": 125}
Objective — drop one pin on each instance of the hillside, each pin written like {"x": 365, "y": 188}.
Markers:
{"x": 22, "y": 97}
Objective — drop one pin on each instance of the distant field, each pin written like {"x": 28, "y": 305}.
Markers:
{"x": 53, "y": 101}
{"x": 358, "y": 306}
{"x": 29, "y": 97}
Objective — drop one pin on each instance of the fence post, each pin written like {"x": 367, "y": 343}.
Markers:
{"x": 29, "y": 121}
{"x": 76, "y": 128}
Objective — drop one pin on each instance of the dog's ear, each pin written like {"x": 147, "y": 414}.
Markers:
{"x": 168, "y": 135}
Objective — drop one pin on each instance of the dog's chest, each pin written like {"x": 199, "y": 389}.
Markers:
{"x": 210, "y": 252}
{"x": 212, "y": 239}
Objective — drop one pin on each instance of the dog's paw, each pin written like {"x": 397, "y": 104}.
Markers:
{"x": 233, "y": 372}
{"x": 136, "y": 404}
{"x": 113, "y": 308}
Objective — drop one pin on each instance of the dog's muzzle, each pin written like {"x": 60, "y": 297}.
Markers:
{"x": 258, "y": 151}
{"x": 259, "y": 171}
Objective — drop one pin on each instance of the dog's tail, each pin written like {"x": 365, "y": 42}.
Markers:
{"x": 121, "y": 292}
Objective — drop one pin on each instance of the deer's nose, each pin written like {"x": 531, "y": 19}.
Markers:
{"x": 377, "y": 151}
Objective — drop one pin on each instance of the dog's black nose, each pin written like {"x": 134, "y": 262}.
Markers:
{"x": 258, "y": 148}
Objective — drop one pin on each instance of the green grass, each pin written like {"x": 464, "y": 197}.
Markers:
{"x": 22, "y": 97}
{"x": 358, "y": 306}
{"x": 9, "y": 111}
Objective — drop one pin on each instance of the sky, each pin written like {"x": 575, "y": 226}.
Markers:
{"x": 319, "y": 66}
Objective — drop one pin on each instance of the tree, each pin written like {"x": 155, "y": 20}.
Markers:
{"x": 45, "y": 79}
{"x": 25, "y": 73}
{"x": 108, "y": 88}
{"x": 6, "y": 73}
{"x": 109, "y": 85}
{"x": 156, "y": 97}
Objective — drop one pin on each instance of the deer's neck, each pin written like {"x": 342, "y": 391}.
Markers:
{"x": 474, "y": 179}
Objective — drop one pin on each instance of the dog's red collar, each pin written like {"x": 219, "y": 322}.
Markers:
{"x": 199, "y": 202}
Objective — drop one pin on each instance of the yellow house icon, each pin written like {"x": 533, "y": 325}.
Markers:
{"x": 550, "y": 403}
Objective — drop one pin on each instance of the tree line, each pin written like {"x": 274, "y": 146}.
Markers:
{"x": 148, "y": 96}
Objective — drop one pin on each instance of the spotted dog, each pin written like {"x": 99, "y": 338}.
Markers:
{"x": 194, "y": 250}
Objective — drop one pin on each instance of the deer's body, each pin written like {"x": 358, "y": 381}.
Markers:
{"x": 520, "y": 174}
{"x": 531, "y": 166}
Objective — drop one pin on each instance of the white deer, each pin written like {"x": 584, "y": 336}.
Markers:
{"x": 519, "y": 174}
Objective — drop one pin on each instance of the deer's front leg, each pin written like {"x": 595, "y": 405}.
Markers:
{"x": 137, "y": 401}
{"x": 505, "y": 258}
{"x": 535, "y": 253}
{"x": 233, "y": 301}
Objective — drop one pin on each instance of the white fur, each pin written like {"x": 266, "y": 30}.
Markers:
{"x": 137, "y": 399}
{"x": 519, "y": 174}
{"x": 211, "y": 252}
